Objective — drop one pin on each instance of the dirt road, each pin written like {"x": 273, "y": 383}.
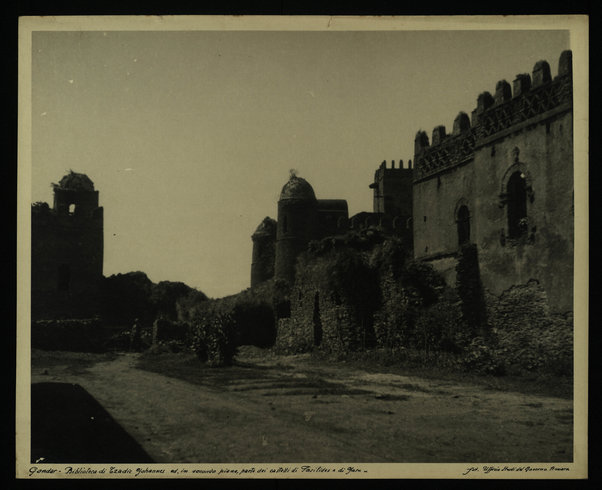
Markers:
{"x": 288, "y": 410}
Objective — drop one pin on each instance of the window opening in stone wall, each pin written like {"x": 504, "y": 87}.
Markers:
{"x": 71, "y": 208}
{"x": 463, "y": 224}
{"x": 317, "y": 321}
{"x": 64, "y": 277}
{"x": 517, "y": 205}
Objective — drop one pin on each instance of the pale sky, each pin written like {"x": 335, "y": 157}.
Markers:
{"x": 189, "y": 136}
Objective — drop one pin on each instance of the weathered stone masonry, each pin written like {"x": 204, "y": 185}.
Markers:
{"x": 67, "y": 251}
{"x": 489, "y": 206}
{"x": 503, "y": 181}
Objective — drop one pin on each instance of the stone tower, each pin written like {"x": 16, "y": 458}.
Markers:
{"x": 393, "y": 190}
{"x": 264, "y": 251}
{"x": 67, "y": 251}
{"x": 297, "y": 208}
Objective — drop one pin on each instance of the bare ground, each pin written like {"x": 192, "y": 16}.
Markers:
{"x": 288, "y": 409}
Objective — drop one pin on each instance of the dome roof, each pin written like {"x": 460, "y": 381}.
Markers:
{"x": 297, "y": 188}
{"x": 75, "y": 182}
{"x": 266, "y": 228}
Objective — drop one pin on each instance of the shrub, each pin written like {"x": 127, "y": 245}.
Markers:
{"x": 164, "y": 297}
{"x": 83, "y": 335}
{"x": 165, "y": 330}
{"x": 213, "y": 337}
{"x": 440, "y": 326}
{"x": 482, "y": 358}
{"x": 126, "y": 297}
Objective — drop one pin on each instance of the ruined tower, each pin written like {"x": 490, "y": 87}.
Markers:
{"x": 67, "y": 251}
{"x": 264, "y": 251}
{"x": 297, "y": 209}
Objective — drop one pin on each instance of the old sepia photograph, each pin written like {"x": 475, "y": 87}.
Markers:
{"x": 302, "y": 247}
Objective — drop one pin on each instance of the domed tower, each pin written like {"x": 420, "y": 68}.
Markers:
{"x": 75, "y": 195}
{"x": 264, "y": 251}
{"x": 296, "y": 222}
{"x": 67, "y": 251}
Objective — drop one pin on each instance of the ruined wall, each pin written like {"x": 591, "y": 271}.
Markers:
{"x": 332, "y": 218}
{"x": 529, "y": 335}
{"x": 525, "y": 130}
{"x": 319, "y": 318}
{"x": 331, "y": 307}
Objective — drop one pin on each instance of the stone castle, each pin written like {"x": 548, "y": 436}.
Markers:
{"x": 303, "y": 218}
{"x": 502, "y": 181}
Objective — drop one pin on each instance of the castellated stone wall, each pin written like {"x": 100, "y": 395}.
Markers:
{"x": 503, "y": 181}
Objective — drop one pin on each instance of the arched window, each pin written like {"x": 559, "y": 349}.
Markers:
{"x": 517, "y": 205}
{"x": 463, "y": 224}
{"x": 71, "y": 208}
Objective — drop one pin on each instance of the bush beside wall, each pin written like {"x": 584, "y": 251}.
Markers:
{"x": 83, "y": 335}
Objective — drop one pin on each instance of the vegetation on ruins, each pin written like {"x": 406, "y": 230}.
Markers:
{"x": 218, "y": 326}
{"x": 415, "y": 317}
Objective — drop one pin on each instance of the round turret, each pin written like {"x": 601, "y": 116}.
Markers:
{"x": 264, "y": 251}
{"x": 266, "y": 228}
{"x": 297, "y": 188}
{"x": 296, "y": 224}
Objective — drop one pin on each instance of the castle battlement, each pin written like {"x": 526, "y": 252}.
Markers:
{"x": 531, "y": 98}
{"x": 399, "y": 169}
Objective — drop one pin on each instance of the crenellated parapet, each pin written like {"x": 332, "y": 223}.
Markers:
{"x": 446, "y": 152}
{"x": 530, "y": 97}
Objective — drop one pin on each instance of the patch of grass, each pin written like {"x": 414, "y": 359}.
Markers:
{"x": 189, "y": 368}
{"x": 545, "y": 385}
